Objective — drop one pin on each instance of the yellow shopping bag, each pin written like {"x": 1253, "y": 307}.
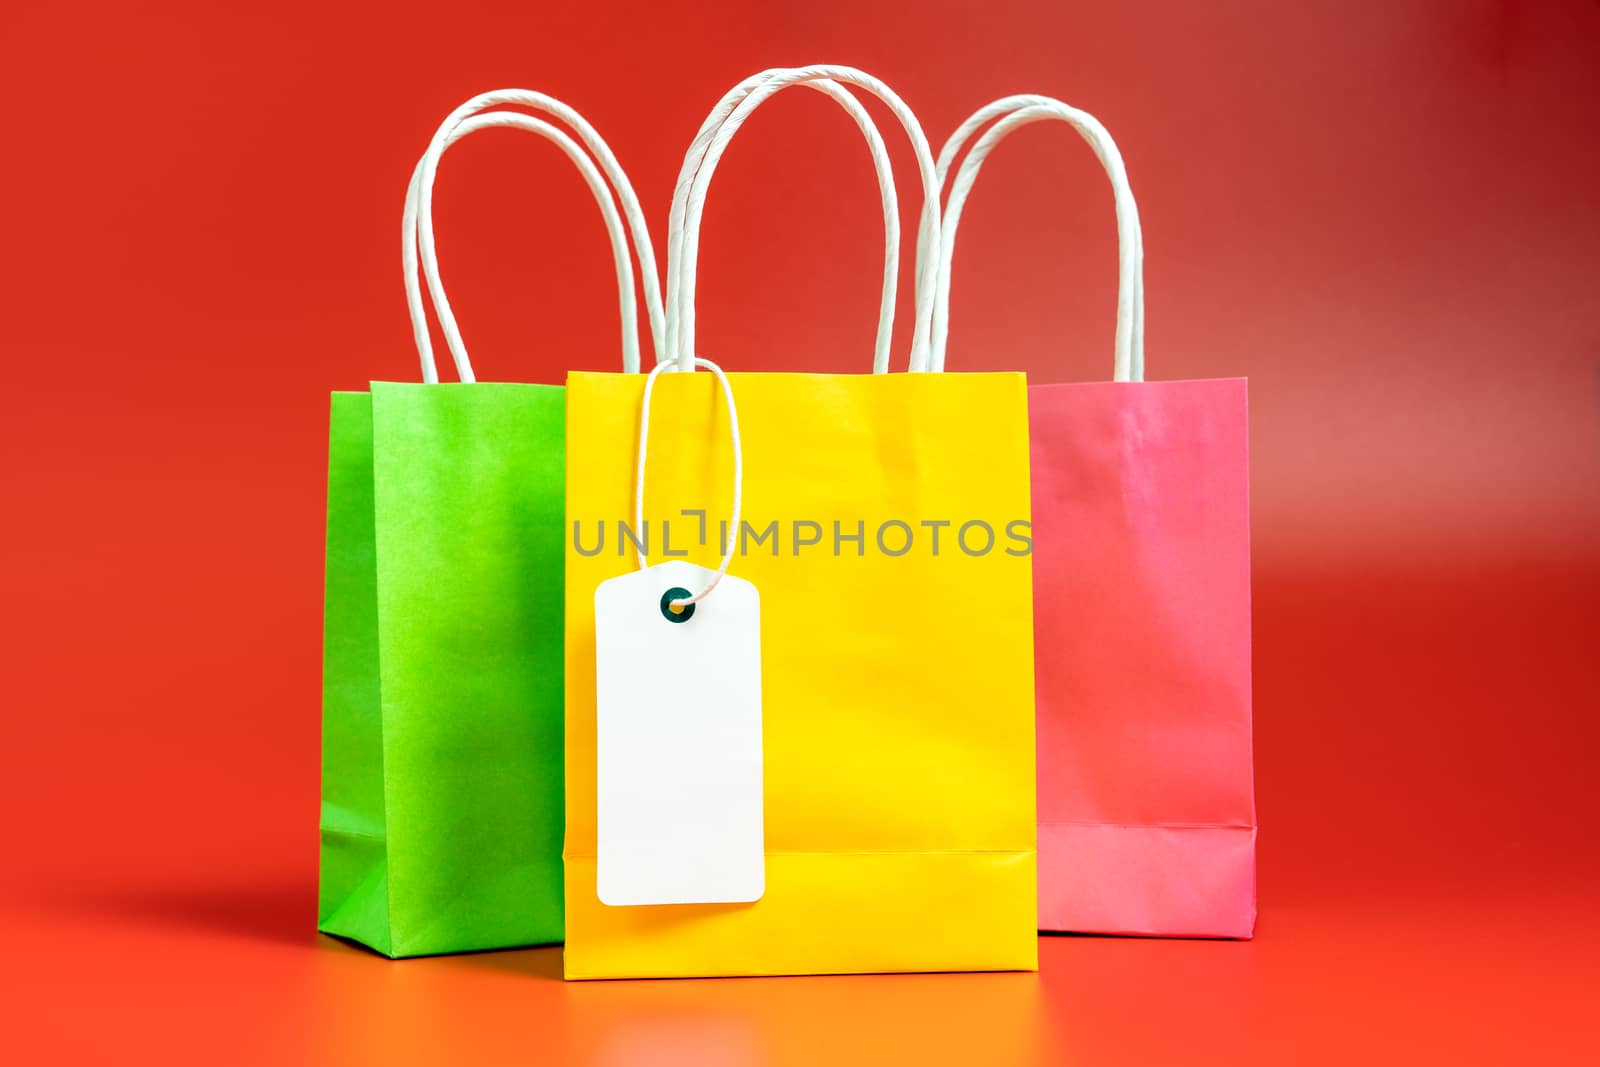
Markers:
{"x": 885, "y": 526}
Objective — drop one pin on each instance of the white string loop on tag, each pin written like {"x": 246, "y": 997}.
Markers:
{"x": 738, "y": 472}
{"x": 681, "y": 267}
{"x": 937, "y": 254}
{"x": 417, "y": 222}
{"x": 695, "y": 157}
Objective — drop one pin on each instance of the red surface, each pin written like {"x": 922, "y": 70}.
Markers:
{"x": 1385, "y": 216}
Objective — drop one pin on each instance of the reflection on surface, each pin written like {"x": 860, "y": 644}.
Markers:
{"x": 215, "y": 975}
{"x": 442, "y": 1009}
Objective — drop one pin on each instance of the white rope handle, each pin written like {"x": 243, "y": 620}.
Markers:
{"x": 682, "y": 258}
{"x": 886, "y": 188}
{"x": 417, "y": 223}
{"x": 738, "y": 472}
{"x": 1019, "y": 111}
{"x": 430, "y": 263}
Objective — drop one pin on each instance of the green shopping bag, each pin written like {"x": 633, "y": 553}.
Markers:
{"x": 442, "y": 748}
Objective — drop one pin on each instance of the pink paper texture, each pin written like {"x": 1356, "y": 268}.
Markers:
{"x": 1141, "y": 525}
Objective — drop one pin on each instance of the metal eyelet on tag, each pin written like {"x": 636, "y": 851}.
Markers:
{"x": 683, "y": 614}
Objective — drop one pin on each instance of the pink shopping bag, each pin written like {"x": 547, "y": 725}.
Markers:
{"x": 1141, "y": 562}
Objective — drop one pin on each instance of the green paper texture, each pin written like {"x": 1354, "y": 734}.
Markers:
{"x": 442, "y": 699}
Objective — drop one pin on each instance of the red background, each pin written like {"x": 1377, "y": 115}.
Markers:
{"x": 1385, "y": 215}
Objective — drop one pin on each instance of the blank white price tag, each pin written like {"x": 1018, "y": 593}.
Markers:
{"x": 678, "y": 720}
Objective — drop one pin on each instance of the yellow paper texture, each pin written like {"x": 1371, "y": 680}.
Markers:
{"x": 897, "y": 690}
